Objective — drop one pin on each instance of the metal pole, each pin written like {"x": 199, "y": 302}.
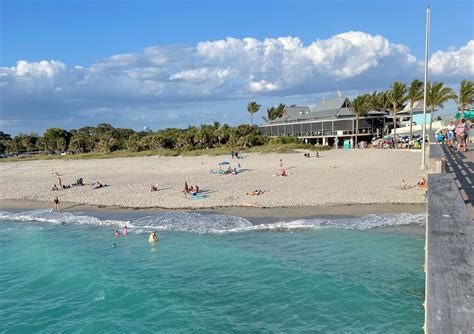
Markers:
{"x": 423, "y": 144}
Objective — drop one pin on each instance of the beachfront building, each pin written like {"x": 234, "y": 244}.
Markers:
{"x": 330, "y": 121}
{"x": 403, "y": 116}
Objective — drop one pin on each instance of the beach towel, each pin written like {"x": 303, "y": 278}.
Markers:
{"x": 198, "y": 197}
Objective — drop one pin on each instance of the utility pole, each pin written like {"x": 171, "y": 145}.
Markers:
{"x": 423, "y": 144}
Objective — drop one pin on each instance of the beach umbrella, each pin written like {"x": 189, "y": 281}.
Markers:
{"x": 224, "y": 163}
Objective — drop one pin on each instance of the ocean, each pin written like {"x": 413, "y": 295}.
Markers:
{"x": 210, "y": 273}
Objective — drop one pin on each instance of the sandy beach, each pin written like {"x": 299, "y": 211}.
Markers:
{"x": 338, "y": 177}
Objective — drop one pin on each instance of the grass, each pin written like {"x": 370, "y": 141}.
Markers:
{"x": 268, "y": 148}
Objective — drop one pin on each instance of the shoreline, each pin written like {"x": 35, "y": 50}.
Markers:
{"x": 246, "y": 212}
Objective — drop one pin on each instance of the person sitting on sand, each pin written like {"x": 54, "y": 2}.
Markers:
{"x": 423, "y": 183}
{"x": 80, "y": 182}
{"x": 405, "y": 185}
{"x": 153, "y": 187}
{"x": 54, "y": 187}
{"x": 283, "y": 172}
{"x": 98, "y": 185}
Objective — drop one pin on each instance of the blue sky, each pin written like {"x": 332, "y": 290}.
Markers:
{"x": 169, "y": 63}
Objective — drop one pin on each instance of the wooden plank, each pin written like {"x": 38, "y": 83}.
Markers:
{"x": 449, "y": 260}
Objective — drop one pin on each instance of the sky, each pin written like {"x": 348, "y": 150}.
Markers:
{"x": 68, "y": 63}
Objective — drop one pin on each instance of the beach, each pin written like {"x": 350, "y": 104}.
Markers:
{"x": 337, "y": 178}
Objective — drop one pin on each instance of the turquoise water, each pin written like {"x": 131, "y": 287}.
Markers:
{"x": 210, "y": 274}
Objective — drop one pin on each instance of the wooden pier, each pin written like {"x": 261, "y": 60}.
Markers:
{"x": 449, "y": 260}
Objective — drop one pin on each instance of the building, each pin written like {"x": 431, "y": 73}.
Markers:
{"x": 403, "y": 115}
{"x": 330, "y": 120}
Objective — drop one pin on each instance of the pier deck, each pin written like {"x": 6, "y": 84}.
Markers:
{"x": 449, "y": 255}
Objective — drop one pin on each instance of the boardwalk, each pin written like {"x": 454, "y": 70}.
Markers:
{"x": 450, "y": 247}
{"x": 461, "y": 166}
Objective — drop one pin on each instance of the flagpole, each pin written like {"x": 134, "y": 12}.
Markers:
{"x": 423, "y": 144}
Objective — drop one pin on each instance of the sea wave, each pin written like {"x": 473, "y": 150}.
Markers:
{"x": 214, "y": 223}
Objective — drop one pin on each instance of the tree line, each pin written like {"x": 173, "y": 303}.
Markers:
{"x": 104, "y": 138}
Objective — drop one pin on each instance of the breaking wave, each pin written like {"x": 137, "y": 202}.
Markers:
{"x": 214, "y": 223}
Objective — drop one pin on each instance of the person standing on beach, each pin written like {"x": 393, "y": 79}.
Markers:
{"x": 56, "y": 204}
{"x": 280, "y": 163}
{"x": 461, "y": 135}
{"x": 186, "y": 188}
{"x": 450, "y": 134}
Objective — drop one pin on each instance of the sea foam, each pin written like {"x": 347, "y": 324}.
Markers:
{"x": 214, "y": 223}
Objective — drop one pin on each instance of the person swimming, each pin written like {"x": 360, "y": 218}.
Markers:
{"x": 153, "y": 238}
{"x": 116, "y": 233}
{"x": 125, "y": 230}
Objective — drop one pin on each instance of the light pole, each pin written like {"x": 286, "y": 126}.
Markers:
{"x": 423, "y": 143}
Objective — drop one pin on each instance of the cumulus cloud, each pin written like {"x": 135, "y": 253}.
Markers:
{"x": 454, "y": 62}
{"x": 224, "y": 69}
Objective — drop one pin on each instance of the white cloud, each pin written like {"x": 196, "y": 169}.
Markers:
{"x": 218, "y": 70}
{"x": 40, "y": 69}
{"x": 262, "y": 85}
{"x": 454, "y": 62}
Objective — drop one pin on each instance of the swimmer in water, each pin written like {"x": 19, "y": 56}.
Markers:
{"x": 153, "y": 238}
{"x": 124, "y": 231}
{"x": 116, "y": 233}
{"x": 114, "y": 245}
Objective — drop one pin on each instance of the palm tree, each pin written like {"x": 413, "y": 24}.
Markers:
{"x": 359, "y": 107}
{"x": 252, "y": 108}
{"x": 436, "y": 96}
{"x": 372, "y": 101}
{"x": 466, "y": 95}
{"x": 397, "y": 95}
{"x": 415, "y": 93}
{"x": 383, "y": 101}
